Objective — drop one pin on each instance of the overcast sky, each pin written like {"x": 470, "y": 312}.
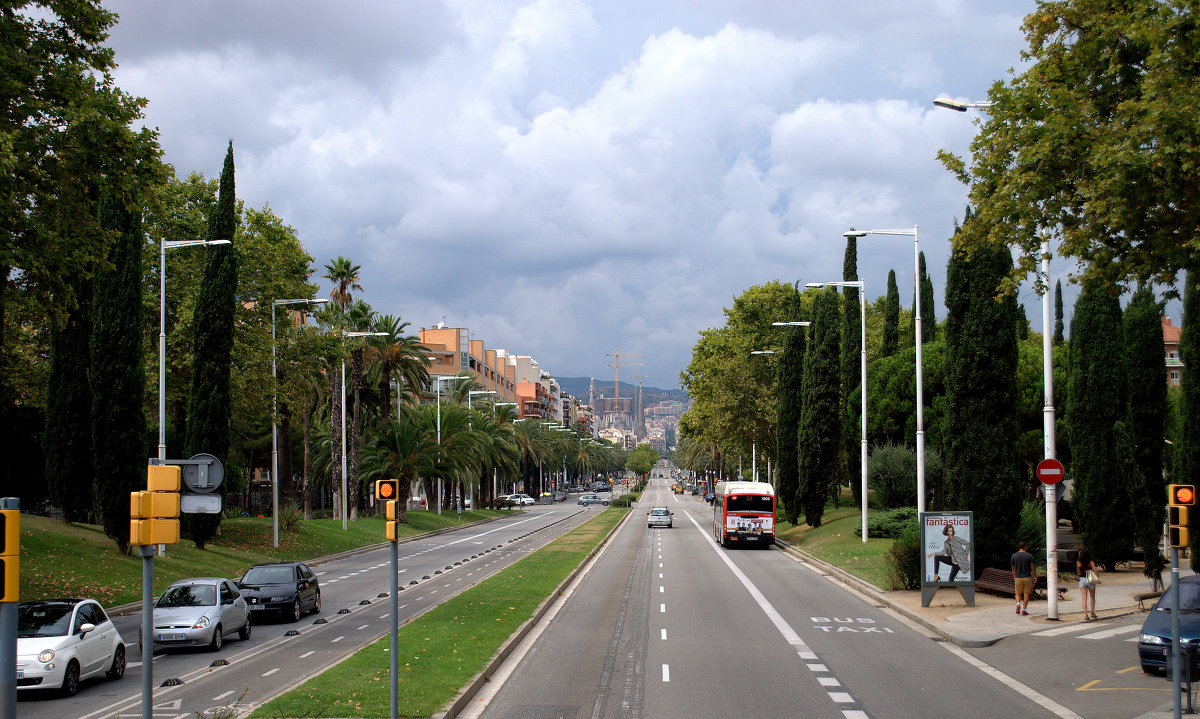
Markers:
{"x": 567, "y": 178}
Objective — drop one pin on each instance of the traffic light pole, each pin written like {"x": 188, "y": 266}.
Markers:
{"x": 1176, "y": 655}
{"x": 395, "y": 630}
{"x": 147, "y": 551}
{"x": 8, "y": 612}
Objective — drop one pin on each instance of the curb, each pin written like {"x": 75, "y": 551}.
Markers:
{"x": 470, "y": 690}
{"x": 124, "y": 609}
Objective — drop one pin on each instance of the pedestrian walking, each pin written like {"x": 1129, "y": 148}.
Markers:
{"x": 1089, "y": 577}
{"x": 1024, "y": 574}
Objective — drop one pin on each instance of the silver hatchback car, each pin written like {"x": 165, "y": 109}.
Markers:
{"x": 659, "y": 517}
{"x": 199, "y": 613}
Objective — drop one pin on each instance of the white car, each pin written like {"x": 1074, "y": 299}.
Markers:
{"x": 659, "y": 517}
{"x": 591, "y": 498}
{"x": 522, "y": 499}
{"x": 63, "y": 641}
{"x": 201, "y": 611}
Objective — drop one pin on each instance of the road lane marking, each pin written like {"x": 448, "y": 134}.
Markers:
{"x": 306, "y": 654}
{"x": 333, "y": 641}
{"x": 267, "y": 674}
{"x": 828, "y": 681}
{"x": 841, "y": 697}
{"x": 661, "y": 589}
{"x": 1043, "y": 701}
{"x": 817, "y": 668}
{"x": 1106, "y": 633}
{"x": 221, "y": 696}
{"x": 666, "y": 672}
{"x": 365, "y": 625}
{"x": 664, "y": 634}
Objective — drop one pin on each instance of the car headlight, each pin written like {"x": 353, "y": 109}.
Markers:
{"x": 1152, "y": 639}
{"x": 46, "y": 656}
{"x": 201, "y": 623}
{"x": 279, "y": 599}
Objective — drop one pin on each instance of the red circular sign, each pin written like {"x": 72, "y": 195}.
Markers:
{"x": 1050, "y": 471}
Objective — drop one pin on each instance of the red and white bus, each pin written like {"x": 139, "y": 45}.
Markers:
{"x": 744, "y": 513}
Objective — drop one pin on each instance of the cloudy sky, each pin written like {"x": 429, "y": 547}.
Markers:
{"x": 568, "y": 178}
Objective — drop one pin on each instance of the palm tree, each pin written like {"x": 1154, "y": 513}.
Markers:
{"x": 404, "y": 450}
{"x": 401, "y": 356}
{"x": 344, "y": 275}
{"x": 534, "y": 444}
{"x": 359, "y": 317}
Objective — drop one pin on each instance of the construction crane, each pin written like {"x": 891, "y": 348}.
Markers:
{"x": 616, "y": 365}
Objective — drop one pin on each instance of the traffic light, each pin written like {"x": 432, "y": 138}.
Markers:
{"x": 393, "y": 520}
{"x": 10, "y": 554}
{"x": 1180, "y": 497}
{"x": 387, "y": 489}
{"x": 154, "y": 514}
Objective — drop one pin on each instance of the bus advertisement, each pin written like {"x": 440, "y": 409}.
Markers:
{"x": 744, "y": 513}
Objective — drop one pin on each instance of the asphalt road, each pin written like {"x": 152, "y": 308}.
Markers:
{"x": 665, "y": 623}
{"x": 271, "y": 661}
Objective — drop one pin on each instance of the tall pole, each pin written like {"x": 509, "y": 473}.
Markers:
{"x": 920, "y": 383}
{"x": 1050, "y": 490}
{"x": 862, "y": 317}
{"x": 274, "y": 438}
{"x": 345, "y": 503}
{"x": 162, "y": 352}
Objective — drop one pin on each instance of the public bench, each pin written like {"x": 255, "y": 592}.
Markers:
{"x": 1000, "y": 581}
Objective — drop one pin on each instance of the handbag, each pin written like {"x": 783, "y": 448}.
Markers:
{"x": 1092, "y": 577}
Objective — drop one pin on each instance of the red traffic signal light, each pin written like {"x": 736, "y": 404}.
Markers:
{"x": 387, "y": 489}
{"x": 1182, "y": 494}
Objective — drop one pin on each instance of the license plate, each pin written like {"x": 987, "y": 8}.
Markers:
{"x": 170, "y": 637}
{"x": 20, "y": 673}
{"x": 256, "y": 607}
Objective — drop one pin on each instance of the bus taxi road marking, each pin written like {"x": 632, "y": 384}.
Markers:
{"x": 838, "y": 624}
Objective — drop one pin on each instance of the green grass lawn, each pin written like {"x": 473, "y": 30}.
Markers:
{"x": 78, "y": 560}
{"x": 836, "y": 543}
{"x": 441, "y": 650}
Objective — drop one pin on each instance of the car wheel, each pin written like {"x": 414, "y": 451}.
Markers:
{"x": 605, "y": 503}
{"x": 317, "y": 603}
{"x": 117, "y": 670}
{"x": 244, "y": 632}
{"x": 70, "y": 685}
{"x": 296, "y": 610}
{"x": 218, "y": 639}
{"x": 1146, "y": 669}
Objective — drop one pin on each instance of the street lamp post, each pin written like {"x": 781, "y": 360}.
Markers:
{"x": 345, "y": 501}
{"x": 1048, "y": 439}
{"x": 862, "y": 318}
{"x": 920, "y": 365}
{"x": 165, "y": 245}
{"x": 274, "y": 411}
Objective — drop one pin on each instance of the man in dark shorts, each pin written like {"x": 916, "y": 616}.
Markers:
{"x": 1024, "y": 574}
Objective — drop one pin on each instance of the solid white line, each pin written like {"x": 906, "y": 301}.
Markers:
{"x": 267, "y": 674}
{"x": 221, "y": 696}
{"x": 666, "y": 672}
{"x": 1043, "y": 701}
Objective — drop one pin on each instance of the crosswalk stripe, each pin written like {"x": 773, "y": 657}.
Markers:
{"x": 1102, "y": 634}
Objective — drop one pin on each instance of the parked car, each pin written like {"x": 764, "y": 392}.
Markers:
{"x": 522, "y": 499}
{"x": 591, "y": 498}
{"x": 659, "y": 517}
{"x": 288, "y": 589}
{"x": 559, "y": 496}
{"x": 61, "y": 642}
{"x": 199, "y": 612}
{"x": 1154, "y": 643}
{"x": 601, "y": 487}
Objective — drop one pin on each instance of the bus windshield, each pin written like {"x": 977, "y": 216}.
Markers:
{"x": 748, "y": 503}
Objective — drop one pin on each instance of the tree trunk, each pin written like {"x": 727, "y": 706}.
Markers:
{"x": 355, "y": 431}
{"x": 287, "y": 478}
{"x": 305, "y": 495}
{"x": 335, "y": 441}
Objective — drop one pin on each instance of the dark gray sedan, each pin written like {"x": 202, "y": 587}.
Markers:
{"x": 288, "y": 589}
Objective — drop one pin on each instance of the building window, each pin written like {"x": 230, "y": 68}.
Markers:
{"x": 1174, "y": 375}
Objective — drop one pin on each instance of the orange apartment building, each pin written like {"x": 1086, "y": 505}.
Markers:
{"x": 452, "y": 351}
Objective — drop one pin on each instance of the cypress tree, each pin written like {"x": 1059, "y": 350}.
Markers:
{"x": 928, "y": 313}
{"x": 67, "y": 441}
{"x": 1022, "y": 326}
{"x": 979, "y": 468}
{"x": 1058, "y": 313}
{"x": 209, "y": 401}
{"x": 851, "y": 344}
{"x": 119, "y": 374}
{"x": 791, "y": 377}
{"x": 1187, "y": 456}
{"x": 1147, "y": 416}
{"x": 1097, "y": 399}
{"x": 891, "y": 318}
{"x": 820, "y": 426}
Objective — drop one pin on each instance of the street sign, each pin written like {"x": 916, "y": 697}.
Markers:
{"x": 1050, "y": 471}
{"x": 200, "y": 504}
{"x": 202, "y": 472}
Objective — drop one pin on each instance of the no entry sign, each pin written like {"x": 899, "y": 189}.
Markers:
{"x": 1050, "y": 471}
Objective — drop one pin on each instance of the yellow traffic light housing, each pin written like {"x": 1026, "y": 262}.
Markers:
{"x": 387, "y": 489}
{"x": 163, "y": 477}
{"x": 1180, "y": 497}
{"x": 392, "y": 510}
{"x": 1183, "y": 495}
{"x": 154, "y": 514}
{"x": 147, "y": 532}
{"x": 10, "y": 555}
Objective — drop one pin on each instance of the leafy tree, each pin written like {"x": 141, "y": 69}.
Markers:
{"x": 790, "y": 388}
{"x": 1099, "y": 399}
{"x": 1147, "y": 418}
{"x": 851, "y": 348}
{"x": 820, "y": 423}
{"x": 891, "y": 318}
{"x": 209, "y": 401}
{"x": 642, "y": 459}
{"x": 1098, "y": 129}
{"x": 1022, "y": 326}
{"x": 67, "y": 441}
{"x": 118, "y": 372}
{"x": 1058, "y": 313}
{"x": 980, "y": 433}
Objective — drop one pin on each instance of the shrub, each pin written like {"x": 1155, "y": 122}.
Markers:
{"x": 893, "y": 475}
{"x": 290, "y": 517}
{"x": 903, "y": 559}
{"x": 1032, "y": 528}
{"x": 624, "y": 500}
{"x": 889, "y": 524}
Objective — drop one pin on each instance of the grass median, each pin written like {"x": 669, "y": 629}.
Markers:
{"x": 78, "y": 560}
{"x": 441, "y": 650}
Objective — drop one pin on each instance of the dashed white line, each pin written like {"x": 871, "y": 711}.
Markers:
{"x": 221, "y": 696}
{"x": 333, "y": 641}
{"x": 816, "y": 668}
{"x": 841, "y": 697}
{"x": 661, "y": 589}
{"x": 662, "y": 608}
{"x": 306, "y": 654}
{"x": 664, "y": 634}
{"x": 362, "y": 627}
{"x": 828, "y": 682}
{"x": 269, "y": 673}
{"x": 666, "y": 672}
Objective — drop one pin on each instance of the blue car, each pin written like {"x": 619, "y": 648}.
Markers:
{"x": 1154, "y": 643}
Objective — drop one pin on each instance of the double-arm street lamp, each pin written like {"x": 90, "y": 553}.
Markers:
{"x": 905, "y": 232}
{"x": 862, "y": 318}
{"x": 345, "y": 501}
{"x": 274, "y": 411}
{"x": 165, "y": 245}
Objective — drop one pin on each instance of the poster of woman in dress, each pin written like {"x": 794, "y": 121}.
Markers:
{"x": 946, "y": 539}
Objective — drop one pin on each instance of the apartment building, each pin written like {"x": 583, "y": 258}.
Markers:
{"x": 1171, "y": 336}
{"x": 452, "y": 351}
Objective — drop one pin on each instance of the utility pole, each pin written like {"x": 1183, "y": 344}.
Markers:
{"x": 616, "y": 365}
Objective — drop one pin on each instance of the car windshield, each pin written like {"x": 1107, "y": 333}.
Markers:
{"x": 659, "y": 512}
{"x": 268, "y": 575}
{"x": 188, "y": 595}
{"x": 1189, "y": 598}
{"x": 43, "y": 620}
